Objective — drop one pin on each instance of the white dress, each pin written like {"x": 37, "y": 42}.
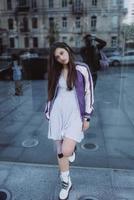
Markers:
{"x": 65, "y": 119}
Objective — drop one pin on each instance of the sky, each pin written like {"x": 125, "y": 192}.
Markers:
{"x": 129, "y": 4}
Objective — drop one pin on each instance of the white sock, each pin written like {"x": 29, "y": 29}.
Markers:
{"x": 65, "y": 175}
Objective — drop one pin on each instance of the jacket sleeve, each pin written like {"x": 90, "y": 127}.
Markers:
{"x": 47, "y": 110}
{"x": 101, "y": 43}
{"x": 89, "y": 93}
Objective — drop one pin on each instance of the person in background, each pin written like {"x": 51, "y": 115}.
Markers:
{"x": 69, "y": 107}
{"x": 90, "y": 54}
{"x": 17, "y": 74}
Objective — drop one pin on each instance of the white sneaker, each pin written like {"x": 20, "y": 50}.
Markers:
{"x": 66, "y": 187}
{"x": 72, "y": 157}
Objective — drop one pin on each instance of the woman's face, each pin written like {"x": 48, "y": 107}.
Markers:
{"x": 62, "y": 56}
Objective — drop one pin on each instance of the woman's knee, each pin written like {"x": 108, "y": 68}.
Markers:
{"x": 68, "y": 146}
{"x": 67, "y": 152}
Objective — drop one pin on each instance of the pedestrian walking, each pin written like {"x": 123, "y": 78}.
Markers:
{"x": 91, "y": 54}
{"x": 17, "y": 74}
{"x": 69, "y": 107}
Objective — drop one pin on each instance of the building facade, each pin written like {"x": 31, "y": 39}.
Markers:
{"x": 37, "y": 23}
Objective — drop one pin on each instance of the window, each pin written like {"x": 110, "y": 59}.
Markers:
{"x": 93, "y": 22}
{"x": 0, "y": 41}
{"x": 129, "y": 54}
{"x": 34, "y": 4}
{"x": 35, "y": 42}
{"x": 25, "y": 24}
{"x": 64, "y": 39}
{"x": 77, "y": 6}
{"x": 64, "y": 3}
{"x": 64, "y": 22}
{"x": 10, "y": 24}
{"x": 11, "y": 42}
{"x": 77, "y": 22}
{"x": 34, "y": 22}
{"x": 26, "y": 42}
{"x": 51, "y": 4}
{"x": 114, "y": 2}
{"x": 94, "y": 2}
{"x": 78, "y": 2}
{"x": 22, "y": 3}
{"x": 114, "y": 41}
{"x": 115, "y": 21}
{"x": 51, "y": 22}
{"x": 9, "y": 4}
{"x": 1, "y": 45}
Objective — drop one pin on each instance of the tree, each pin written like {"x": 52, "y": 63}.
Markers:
{"x": 128, "y": 31}
{"x": 53, "y": 33}
{"x": 128, "y": 34}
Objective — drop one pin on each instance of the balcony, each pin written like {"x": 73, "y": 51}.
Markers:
{"x": 3, "y": 30}
{"x": 77, "y": 9}
{"x": 22, "y": 8}
{"x": 24, "y": 30}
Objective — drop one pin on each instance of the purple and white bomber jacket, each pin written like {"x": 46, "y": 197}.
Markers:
{"x": 84, "y": 92}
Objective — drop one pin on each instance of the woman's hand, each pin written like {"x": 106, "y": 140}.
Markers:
{"x": 85, "y": 125}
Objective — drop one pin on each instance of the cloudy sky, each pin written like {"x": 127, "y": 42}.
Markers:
{"x": 129, "y": 4}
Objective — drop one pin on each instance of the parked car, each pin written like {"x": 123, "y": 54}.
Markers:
{"x": 112, "y": 52}
{"x": 5, "y": 56}
{"x": 126, "y": 59}
{"x": 28, "y": 55}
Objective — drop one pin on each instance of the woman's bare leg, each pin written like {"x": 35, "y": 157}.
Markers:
{"x": 68, "y": 146}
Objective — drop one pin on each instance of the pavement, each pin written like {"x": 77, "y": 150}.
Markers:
{"x": 41, "y": 182}
{"x": 104, "y": 167}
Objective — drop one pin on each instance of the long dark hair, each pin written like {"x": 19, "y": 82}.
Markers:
{"x": 55, "y": 68}
{"x": 15, "y": 57}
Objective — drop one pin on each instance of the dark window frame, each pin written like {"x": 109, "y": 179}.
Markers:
{"x": 22, "y": 3}
{"x": 35, "y": 42}
{"x": 64, "y": 22}
{"x": 34, "y": 22}
{"x": 9, "y": 4}
{"x": 25, "y": 24}
{"x": 10, "y": 24}
{"x": 64, "y": 3}
{"x": 114, "y": 41}
{"x": 93, "y": 21}
{"x": 51, "y": 3}
{"x": 26, "y": 42}
{"x": 78, "y": 22}
{"x": 51, "y": 22}
{"x": 34, "y": 4}
{"x": 94, "y": 2}
{"x": 12, "y": 42}
{"x": 129, "y": 54}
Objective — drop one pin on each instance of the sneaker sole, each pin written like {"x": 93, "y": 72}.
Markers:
{"x": 68, "y": 194}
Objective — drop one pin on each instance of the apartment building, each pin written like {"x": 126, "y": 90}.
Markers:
{"x": 37, "y": 23}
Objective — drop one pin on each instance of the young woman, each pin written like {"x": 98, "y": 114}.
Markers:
{"x": 69, "y": 107}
